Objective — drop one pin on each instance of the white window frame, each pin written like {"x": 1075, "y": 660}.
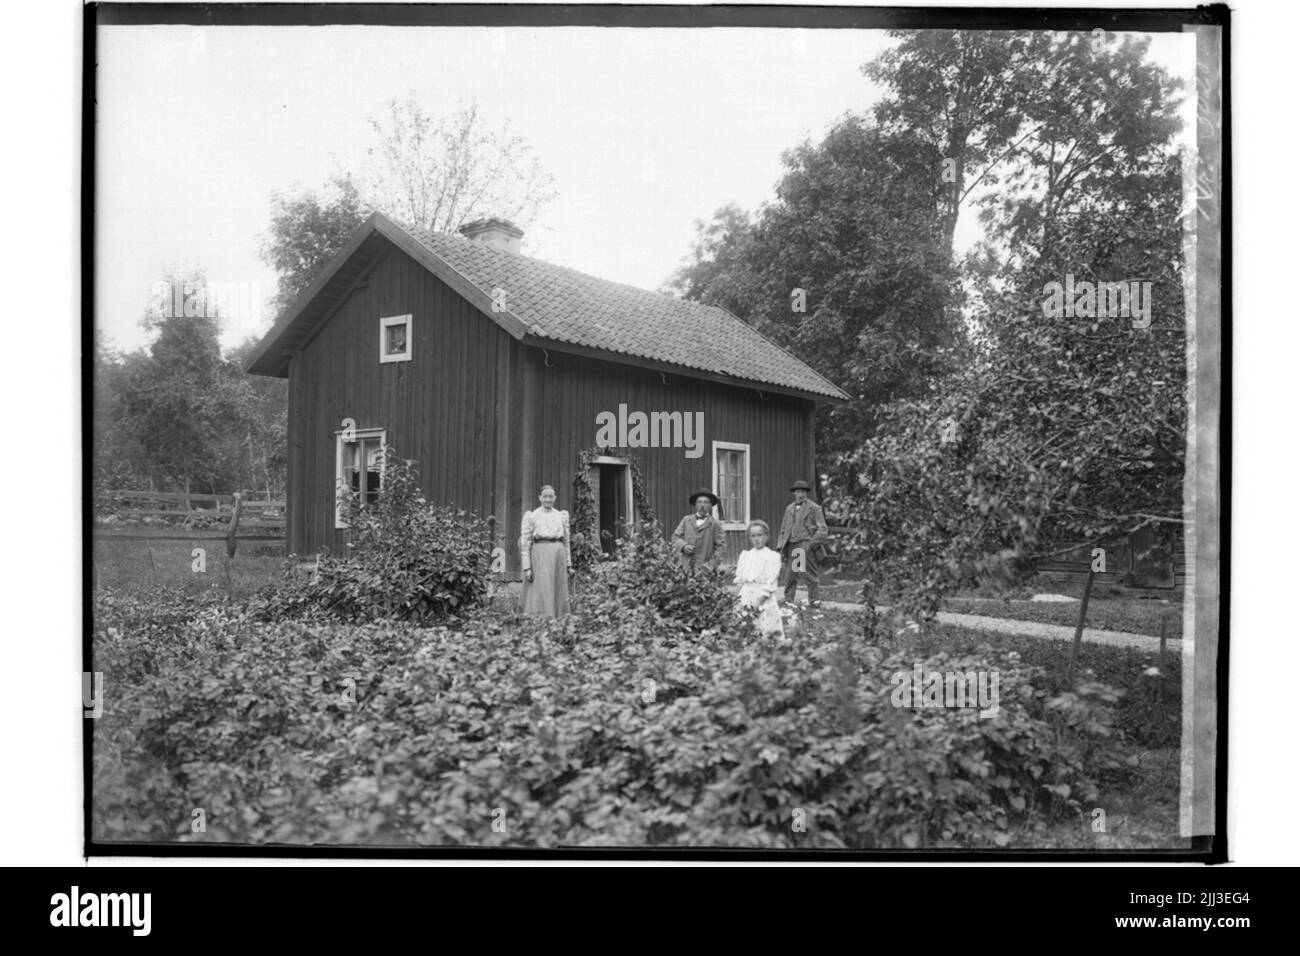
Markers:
{"x": 357, "y": 434}
{"x": 386, "y": 323}
{"x": 731, "y": 523}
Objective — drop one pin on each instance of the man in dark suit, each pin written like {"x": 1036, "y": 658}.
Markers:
{"x": 699, "y": 540}
{"x": 803, "y": 535}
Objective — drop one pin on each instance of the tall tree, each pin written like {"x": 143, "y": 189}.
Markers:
{"x": 1068, "y": 424}
{"x": 439, "y": 172}
{"x": 119, "y": 459}
{"x": 1098, "y": 121}
{"x": 963, "y": 93}
{"x": 724, "y": 265}
{"x": 436, "y": 172}
{"x": 307, "y": 229}
{"x": 181, "y": 398}
{"x": 846, "y": 267}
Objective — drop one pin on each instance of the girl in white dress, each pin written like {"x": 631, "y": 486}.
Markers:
{"x": 757, "y": 572}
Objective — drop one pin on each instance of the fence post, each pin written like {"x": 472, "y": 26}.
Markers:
{"x": 234, "y": 525}
{"x": 1078, "y": 629}
{"x": 230, "y": 535}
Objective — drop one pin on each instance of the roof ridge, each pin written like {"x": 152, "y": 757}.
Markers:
{"x": 415, "y": 230}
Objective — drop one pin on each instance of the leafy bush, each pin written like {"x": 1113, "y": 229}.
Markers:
{"x": 1147, "y": 708}
{"x": 148, "y": 631}
{"x": 620, "y": 724}
{"x": 644, "y": 572}
{"x": 409, "y": 560}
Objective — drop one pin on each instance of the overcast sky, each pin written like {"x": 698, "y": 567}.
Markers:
{"x": 196, "y": 128}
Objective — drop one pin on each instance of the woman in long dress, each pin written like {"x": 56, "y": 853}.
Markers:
{"x": 545, "y": 557}
{"x": 758, "y": 571}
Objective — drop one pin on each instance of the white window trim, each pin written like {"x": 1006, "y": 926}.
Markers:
{"x": 731, "y": 523}
{"x": 356, "y": 434}
{"x": 384, "y": 325}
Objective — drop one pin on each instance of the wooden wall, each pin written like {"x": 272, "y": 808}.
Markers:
{"x": 567, "y": 392}
{"x": 490, "y": 420}
{"x": 440, "y": 408}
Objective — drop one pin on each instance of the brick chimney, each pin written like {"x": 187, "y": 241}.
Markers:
{"x": 497, "y": 233}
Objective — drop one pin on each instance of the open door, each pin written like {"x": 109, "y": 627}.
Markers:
{"x": 611, "y": 486}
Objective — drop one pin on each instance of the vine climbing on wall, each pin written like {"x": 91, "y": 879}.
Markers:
{"x": 585, "y": 520}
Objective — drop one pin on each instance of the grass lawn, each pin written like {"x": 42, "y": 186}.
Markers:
{"x": 141, "y": 564}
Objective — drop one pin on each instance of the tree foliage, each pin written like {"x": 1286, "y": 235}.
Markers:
{"x": 435, "y": 172}
{"x": 984, "y": 432}
{"x": 178, "y": 415}
{"x": 440, "y": 172}
{"x": 845, "y": 268}
{"x": 307, "y": 229}
{"x": 1061, "y": 428}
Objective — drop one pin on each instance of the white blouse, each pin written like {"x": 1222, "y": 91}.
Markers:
{"x": 540, "y": 523}
{"x": 761, "y": 566}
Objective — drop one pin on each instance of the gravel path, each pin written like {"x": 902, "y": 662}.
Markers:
{"x": 1051, "y": 632}
{"x": 1002, "y": 625}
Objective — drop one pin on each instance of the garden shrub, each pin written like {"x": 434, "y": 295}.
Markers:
{"x": 1147, "y": 689}
{"x": 618, "y": 725}
{"x": 408, "y": 560}
{"x": 644, "y": 572}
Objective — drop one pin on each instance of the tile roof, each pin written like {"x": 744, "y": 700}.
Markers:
{"x": 563, "y": 304}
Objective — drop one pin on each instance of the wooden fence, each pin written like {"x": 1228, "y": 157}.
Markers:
{"x": 177, "y": 516}
{"x": 1137, "y": 564}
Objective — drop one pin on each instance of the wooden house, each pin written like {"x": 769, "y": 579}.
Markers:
{"x": 499, "y": 373}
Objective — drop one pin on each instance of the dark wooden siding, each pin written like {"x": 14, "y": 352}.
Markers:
{"x": 440, "y": 408}
{"x": 490, "y": 420}
{"x": 567, "y": 392}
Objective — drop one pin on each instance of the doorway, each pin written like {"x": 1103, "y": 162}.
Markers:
{"x": 611, "y": 486}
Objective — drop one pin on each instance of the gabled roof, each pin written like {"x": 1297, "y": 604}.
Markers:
{"x": 549, "y": 304}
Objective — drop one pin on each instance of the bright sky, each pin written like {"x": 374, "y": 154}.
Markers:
{"x": 644, "y": 130}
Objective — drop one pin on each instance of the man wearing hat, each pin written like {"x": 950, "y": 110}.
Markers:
{"x": 699, "y": 540}
{"x": 803, "y": 533}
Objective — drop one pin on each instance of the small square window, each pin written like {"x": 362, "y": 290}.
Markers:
{"x": 395, "y": 338}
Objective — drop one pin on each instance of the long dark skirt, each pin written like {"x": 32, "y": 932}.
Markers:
{"x": 548, "y": 593}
